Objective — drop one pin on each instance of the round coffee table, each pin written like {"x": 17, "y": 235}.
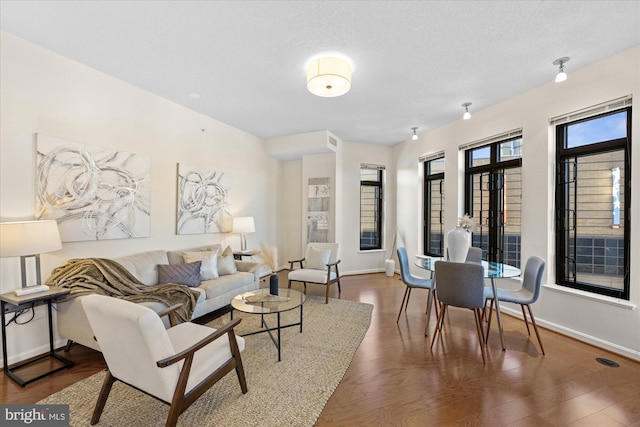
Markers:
{"x": 296, "y": 300}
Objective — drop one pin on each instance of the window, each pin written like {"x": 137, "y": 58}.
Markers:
{"x": 593, "y": 203}
{"x": 434, "y": 206}
{"x": 371, "y": 183}
{"x": 493, "y": 193}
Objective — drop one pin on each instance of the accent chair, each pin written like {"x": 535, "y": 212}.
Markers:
{"x": 175, "y": 365}
{"x": 319, "y": 266}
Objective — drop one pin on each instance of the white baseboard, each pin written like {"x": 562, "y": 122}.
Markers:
{"x": 580, "y": 336}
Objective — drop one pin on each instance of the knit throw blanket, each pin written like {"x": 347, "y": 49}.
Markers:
{"x": 107, "y": 277}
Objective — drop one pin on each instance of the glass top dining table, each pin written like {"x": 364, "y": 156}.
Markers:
{"x": 492, "y": 270}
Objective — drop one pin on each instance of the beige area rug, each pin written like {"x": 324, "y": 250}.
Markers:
{"x": 292, "y": 392}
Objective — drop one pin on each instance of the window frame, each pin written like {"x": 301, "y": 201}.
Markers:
{"x": 379, "y": 207}
{"x": 495, "y": 251}
{"x": 428, "y": 180}
{"x": 561, "y": 233}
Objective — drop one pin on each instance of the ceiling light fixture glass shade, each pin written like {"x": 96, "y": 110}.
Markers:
{"x": 329, "y": 77}
{"x": 467, "y": 114}
{"x": 562, "y": 75}
{"x": 414, "y": 137}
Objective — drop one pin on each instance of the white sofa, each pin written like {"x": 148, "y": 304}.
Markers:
{"x": 213, "y": 294}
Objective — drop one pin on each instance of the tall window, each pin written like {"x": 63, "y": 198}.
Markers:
{"x": 371, "y": 183}
{"x": 434, "y": 206}
{"x": 593, "y": 203}
{"x": 493, "y": 196}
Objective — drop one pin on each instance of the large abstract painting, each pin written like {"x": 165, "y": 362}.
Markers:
{"x": 93, "y": 193}
{"x": 318, "y": 210}
{"x": 204, "y": 201}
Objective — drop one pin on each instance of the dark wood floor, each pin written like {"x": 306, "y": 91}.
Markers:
{"x": 395, "y": 379}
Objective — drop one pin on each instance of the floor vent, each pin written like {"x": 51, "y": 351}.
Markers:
{"x": 607, "y": 362}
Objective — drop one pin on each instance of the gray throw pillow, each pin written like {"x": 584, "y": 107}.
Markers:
{"x": 182, "y": 274}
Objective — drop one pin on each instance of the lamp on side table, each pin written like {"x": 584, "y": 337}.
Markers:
{"x": 29, "y": 239}
{"x": 243, "y": 225}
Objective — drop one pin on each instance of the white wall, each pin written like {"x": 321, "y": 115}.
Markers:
{"x": 601, "y": 321}
{"x": 354, "y": 154}
{"x": 43, "y": 92}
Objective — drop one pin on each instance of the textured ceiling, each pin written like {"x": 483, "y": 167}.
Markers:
{"x": 415, "y": 62}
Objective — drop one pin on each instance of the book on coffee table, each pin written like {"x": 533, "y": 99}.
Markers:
{"x": 265, "y": 298}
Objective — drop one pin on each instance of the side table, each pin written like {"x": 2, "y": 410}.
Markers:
{"x": 239, "y": 254}
{"x": 46, "y": 296}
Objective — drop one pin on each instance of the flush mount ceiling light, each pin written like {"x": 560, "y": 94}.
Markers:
{"x": 467, "y": 114}
{"x": 329, "y": 77}
{"x": 561, "y": 76}
{"x": 414, "y": 137}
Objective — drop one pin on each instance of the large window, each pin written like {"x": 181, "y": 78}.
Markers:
{"x": 434, "y": 206}
{"x": 371, "y": 186}
{"x": 593, "y": 203}
{"x": 493, "y": 193}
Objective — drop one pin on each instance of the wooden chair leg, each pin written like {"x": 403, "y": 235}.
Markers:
{"x": 404, "y": 297}
{"x": 102, "y": 397}
{"x": 486, "y": 339}
{"x": 326, "y": 293}
{"x": 477, "y": 313}
{"x": 289, "y": 284}
{"x": 524, "y": 316}
{"x": 235, "y": 353}
{"x": 439, "y": 322}
{"x": 535, "y": 328}
{"x": 68, "y": 346}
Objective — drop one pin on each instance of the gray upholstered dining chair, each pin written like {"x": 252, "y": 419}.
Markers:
{"x": 175, "y": 365}
{"x": 411, "y": 282}
{"x": 526, "y": 295}
{"x": 460, "y": 285}
{"x": 474, "y": 254}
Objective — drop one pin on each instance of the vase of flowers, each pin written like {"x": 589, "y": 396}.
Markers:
{"x": 459, "y": 239}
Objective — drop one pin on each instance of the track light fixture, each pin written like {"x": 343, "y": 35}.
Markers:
{"x": 467, "y": 114}
{"x": 414, "y": 137}
{"x": 561, "y": 76}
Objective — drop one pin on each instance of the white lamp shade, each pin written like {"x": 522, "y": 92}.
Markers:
{"x": 243, "y": 224}
{"x": 29, "y": 238}
{"x": 329, "y": 77}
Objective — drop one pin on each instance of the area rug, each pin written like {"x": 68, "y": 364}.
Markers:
{"x": 292, "y": 392}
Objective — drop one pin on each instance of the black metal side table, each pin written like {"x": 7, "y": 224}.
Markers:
{"x": 19, "y": 301}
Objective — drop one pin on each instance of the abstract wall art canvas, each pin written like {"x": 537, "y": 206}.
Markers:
{"x": 318, "y": 210}
{"x": 204, "y": 201}
{"x": 94, "y": 193}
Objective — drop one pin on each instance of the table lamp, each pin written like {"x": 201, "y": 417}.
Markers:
{"x": 29, "y": 239}
{"x": 243, "y": 225}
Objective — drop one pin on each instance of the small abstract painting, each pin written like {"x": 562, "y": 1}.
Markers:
{"x": 204, "y": 201}
{"x": 318, "y": 210}
{"x": 93, "y": 193}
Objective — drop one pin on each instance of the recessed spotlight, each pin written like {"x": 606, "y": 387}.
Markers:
{"x": 194, "y": 95}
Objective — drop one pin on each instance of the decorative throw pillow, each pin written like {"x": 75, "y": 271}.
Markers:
{"x": 226, "y": 263}
{"x": 182, "y": 274}
{"x": 209, "y": 267}
{"x": 317, "y": 259}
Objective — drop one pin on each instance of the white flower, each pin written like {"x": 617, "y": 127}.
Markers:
{"x": 467, "y": 223}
